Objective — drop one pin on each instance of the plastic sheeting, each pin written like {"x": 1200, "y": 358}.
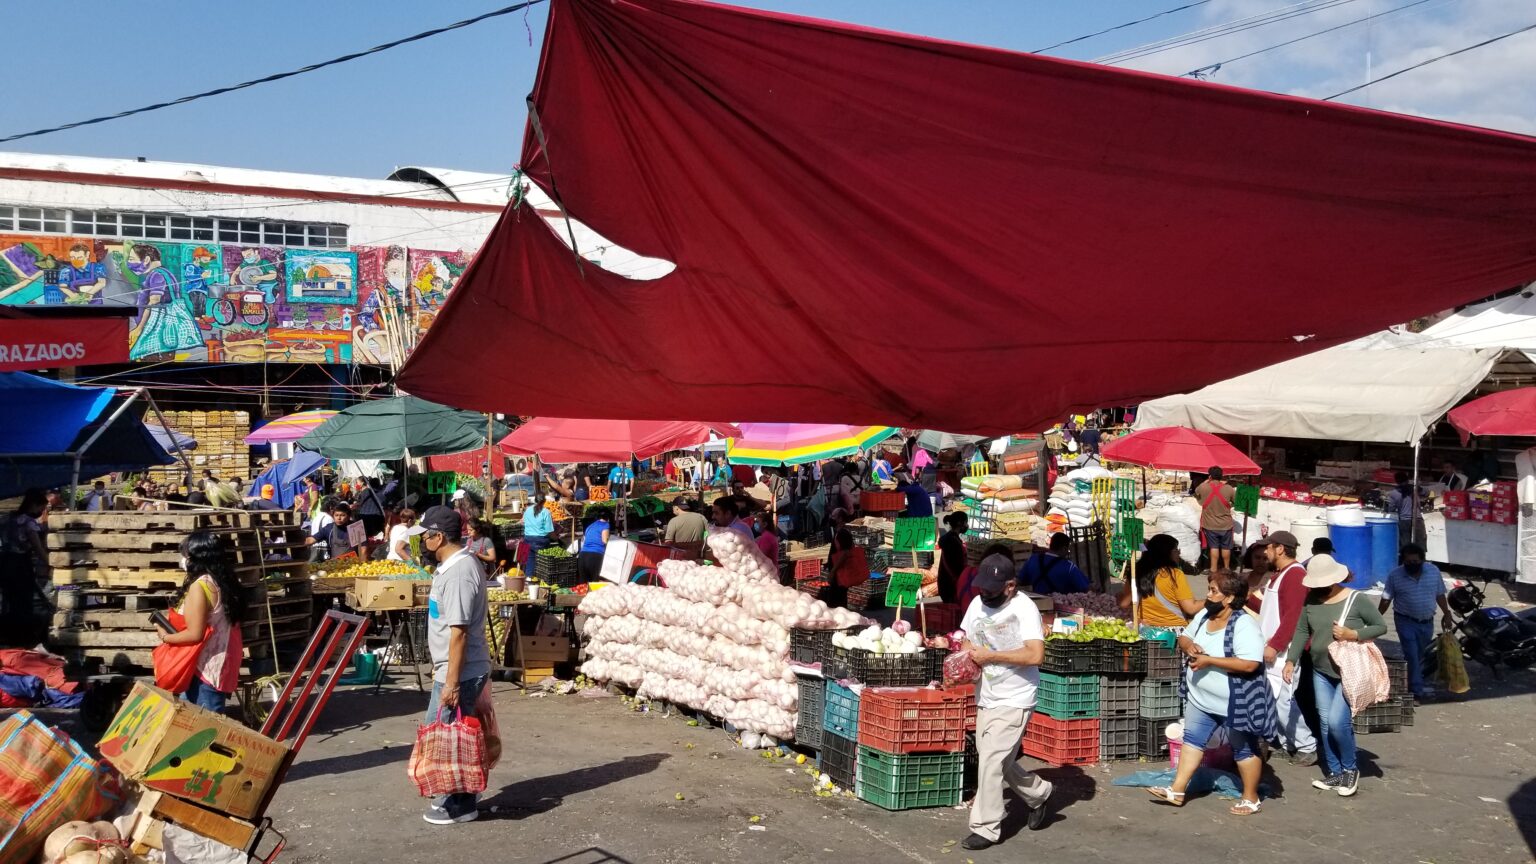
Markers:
{"x": 876, "y": 228}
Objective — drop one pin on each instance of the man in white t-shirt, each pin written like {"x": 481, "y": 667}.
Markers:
{"x": 1004, "y": 636}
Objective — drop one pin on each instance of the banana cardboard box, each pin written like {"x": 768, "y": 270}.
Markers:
{"x": 168, "y": 744}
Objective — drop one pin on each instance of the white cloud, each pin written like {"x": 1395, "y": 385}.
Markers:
{"x": 1489, "y": 86}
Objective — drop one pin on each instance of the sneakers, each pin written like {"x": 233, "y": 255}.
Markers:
{"x": 450, "y": 812}
{"x": 1349, "y": 783}
{"x": 1328, "y": 783}
{"x": 1304, "y": 758}
{"x": 976, "y": 843}
{"x": 1037, "y": 814}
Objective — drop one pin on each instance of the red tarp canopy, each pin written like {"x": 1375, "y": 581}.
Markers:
{"x": 1177, "y": 448}
{"x": 877, "y": 228}
{"x": 560, "y": 440}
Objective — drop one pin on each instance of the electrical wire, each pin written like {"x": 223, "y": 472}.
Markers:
{"x": 1121, "y": 26}
{"x": 1217, "y": 31}
{"x": 1211, "y": 68}
{"x": 1435, "y": 59}
{"x": 278, "y": 76}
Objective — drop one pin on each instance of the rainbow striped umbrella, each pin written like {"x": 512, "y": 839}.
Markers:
{"x": 799, "y": 443}
{"x": 289, "y": 428}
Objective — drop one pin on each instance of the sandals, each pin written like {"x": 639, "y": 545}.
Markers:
{"x": 1165, "y": 795}
{"x": 1245, "y": 808}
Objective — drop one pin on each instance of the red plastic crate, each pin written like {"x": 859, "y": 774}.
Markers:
{"x": 807, "y": 568}
{"x": 912, "y": 720}
{"x": 1481, "y": 514}
{"x": 969, "y": 691}
{"x": 1062, "y": 742}
{"x": 881, "y": 501}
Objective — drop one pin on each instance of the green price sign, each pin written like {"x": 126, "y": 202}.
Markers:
{"x": 442, "y": 482}
{"x": 903, "y": 588}
{"x": 915, "y": 534}
{"x": 1246, "y": 500}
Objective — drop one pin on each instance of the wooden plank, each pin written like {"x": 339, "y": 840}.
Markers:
{"x": 120, "y": 577}
{"x": 103, "y": 619}
{"x": 121, "y": 658}
{"x": 198, "y": 820}
{"x": 105, "y": 639}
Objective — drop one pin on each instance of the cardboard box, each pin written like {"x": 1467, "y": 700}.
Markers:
{"x": 545, "y": 650}
{"x": 384, "y": 593}
{"x": 1481, "y": 514}
{"x": 169, "y": 745}
{"x": 1504, "y": 515}
{"x": 1456, "y": 511}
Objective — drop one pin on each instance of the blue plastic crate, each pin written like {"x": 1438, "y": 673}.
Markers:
{"x": 841, "y": 716}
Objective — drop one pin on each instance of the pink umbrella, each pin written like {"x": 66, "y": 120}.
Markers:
{"x": 1509, "y": 412}
{"x": 1176, "y": 448}
{"x": 561, "y": 440}
{"x": 289, "y": 428}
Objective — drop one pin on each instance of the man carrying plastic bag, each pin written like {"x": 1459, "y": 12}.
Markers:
{"x": 449, "y": 761}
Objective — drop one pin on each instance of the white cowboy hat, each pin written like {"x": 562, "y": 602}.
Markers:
{"x": 1323, "y": 571}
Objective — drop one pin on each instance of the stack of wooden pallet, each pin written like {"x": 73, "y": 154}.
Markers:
{"x": 221, "y": 446}
{"x": 113, "y": 569}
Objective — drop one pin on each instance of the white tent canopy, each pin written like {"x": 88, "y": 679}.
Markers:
{"x": 1508, "y": 323}
{"x": 1388, "y": 388}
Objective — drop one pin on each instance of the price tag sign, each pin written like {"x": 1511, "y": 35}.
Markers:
{"x": 683, "y": 463}
{"x": 442, "y": 482}
{"x": 357, "y": 535}
{"x": 903, "y": 589}
{"x": 1246, "y": 500}
{"x": 915, "y": 534}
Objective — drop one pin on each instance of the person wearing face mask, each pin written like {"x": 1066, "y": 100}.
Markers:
{"x": 1417, "y": 587}
{"x": 538, "y": 529}
{"x": 1226, "y": 687}
{"x": 1005, "y": 697}
{"x": 212, "y": 606}
{"x": 461, "y": 658}
{"x": 1284, "y": 596}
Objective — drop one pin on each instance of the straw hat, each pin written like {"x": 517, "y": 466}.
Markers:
{"x": 1323, "y": 571}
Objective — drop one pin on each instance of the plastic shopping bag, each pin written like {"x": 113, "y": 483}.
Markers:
{"x": 485, "y": 712}
{"x": 1452, "y": 672}
{"x": 46, "y": 780}
{"x": 175, "y": 665}
{"x": 959, "y": 668}
{"x": 448, "y": 758}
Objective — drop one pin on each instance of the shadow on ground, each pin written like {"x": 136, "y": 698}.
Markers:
{"x": 537, "y": 795}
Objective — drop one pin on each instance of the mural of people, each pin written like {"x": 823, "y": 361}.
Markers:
{"x": 197, "y": 278}
{"x": 80, "y": 281}
{"x": 253, "y": 270}
{"x": 163, "y": 324}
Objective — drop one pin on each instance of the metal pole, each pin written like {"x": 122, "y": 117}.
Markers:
{"x": 74, "y": 483}
{"x": 1414, "y": 519}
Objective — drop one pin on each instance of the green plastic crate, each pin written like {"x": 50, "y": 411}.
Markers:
{"x": 910, "y": 782}
{"x": 1068, "y": 697}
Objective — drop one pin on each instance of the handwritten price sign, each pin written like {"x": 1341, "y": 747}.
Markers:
{"x": 915, "y": 534}
{"x": 903, "y": 589}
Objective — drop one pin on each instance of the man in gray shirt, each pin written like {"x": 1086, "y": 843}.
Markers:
{"x": 456, "y": 616}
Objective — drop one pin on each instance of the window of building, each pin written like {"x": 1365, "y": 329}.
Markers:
{"x": 161, "y": 226}
{"x": 41, "y": 219}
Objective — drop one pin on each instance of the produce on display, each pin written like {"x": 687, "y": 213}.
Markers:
{"x": 887, "y": 641}
{"x": 1112, "y": 629}
{"x": 715, "y": 639}
{"x": 553, "y": 552}
{"x": 380, "y": 570}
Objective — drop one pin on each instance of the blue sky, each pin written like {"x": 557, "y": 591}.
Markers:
{"x": 456, "y": 100}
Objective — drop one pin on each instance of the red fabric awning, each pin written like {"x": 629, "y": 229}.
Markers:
{"x": 560, "y": 440}
{"x": 37, "y": 343}
{"x": 873, "y": 228}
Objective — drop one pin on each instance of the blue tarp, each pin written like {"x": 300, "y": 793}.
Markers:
{"x": 54, "y": 413}
{"x": 287, "y": 476}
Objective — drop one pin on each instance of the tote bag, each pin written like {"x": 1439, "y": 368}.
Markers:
{"x": 1362, "y": 669}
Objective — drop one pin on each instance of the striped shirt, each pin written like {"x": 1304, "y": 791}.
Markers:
{"x": 1415, "y": 598}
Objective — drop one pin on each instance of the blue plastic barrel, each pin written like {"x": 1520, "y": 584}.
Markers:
{"x": 1352, "y": 548}
{"x": 1383, "y": 546}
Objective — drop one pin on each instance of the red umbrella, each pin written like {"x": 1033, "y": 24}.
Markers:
{"x": 1176, "y": 448}
{"x": 557, "y": 440}
{"x": 1510, "y": 412}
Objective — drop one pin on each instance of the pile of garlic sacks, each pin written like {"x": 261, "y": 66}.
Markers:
{"x": 716, "y": 638}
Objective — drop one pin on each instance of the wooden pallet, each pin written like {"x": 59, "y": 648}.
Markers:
{"x": 103, "y": 598}
{"x": 120, "y": 577}
{"x": 174, "y": 520}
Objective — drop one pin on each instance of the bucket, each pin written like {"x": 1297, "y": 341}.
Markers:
{"x": 514, "y": 583}
{"x": 1174, "y": 732}
{"x": 1352, "y": 515}
{"x": 1307, "y": 530}
{"x": 1383, "y": 546}
{"x": 535, "y": 591}
{"x": 1352, "y": 548}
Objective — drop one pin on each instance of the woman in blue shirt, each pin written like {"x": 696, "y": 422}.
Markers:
{"x": 593, "y": 544}
{"x": 538, "y": 530}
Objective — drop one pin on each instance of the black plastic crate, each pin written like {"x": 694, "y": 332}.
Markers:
{"x": 839, "y": 759}
{"x": 1152, "y": 737}
{"x": 909, "y": 560}
{"x": 972, "y": 766}
{"x": 1163, "y": 663}
{"x": 1119, "y": 738}
{"x": 813, "y": 692}
{"x": 1397, "y": 676}
{"x": 809, "y": 646}
{"x": 563, "y": 572}
{"x": 1119, "y": 695}
{"x": 1384, "y": 717}
{"x": 1121, "y": 657}
{"x": 869, "y": 538}
{"x": 867, "y": 595}
{"x": 1064, "y": 657}
{"x": 936, "y": 658}
{"x": 878, "y": 670}
{"x": 879, "y": 560}
{"x": 1160, "y": 700}
{"x": 1407, "y": 709}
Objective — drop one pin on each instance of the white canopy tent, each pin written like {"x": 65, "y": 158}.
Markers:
{"x": 1508, "y": 323}
{"x": 1386, "y": 388}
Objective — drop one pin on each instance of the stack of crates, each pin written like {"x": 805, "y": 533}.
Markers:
{"x": 1397, "y": 674}
{"x": 1119, "y": 715}
{"x": 808, "y": 726}
{"x": 839, "y": 735}
{"x": 1064, "y": 730}
{"x": 1159, "y": 699}
{"x": 1393, "y": 714}
{"x": 912, "y": 743}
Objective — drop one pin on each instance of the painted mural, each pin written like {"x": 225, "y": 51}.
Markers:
{"x": 205, "y": 302}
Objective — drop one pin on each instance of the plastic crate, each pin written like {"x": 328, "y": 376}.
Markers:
{"x": 563, "y": 572}
{"x": 808, "y": 568}
{"x": 839, "y": 759}
{"x": 869, "y": 594}
{"x": 969, "y": 691}
{"x": 879, "y": 560}
{"x": 1067, "y": 697}
{"x": 909, "y": 560}
{"x": 881, "y": 501}
{"x": 1061, "y": 742}
{"x": 1163, "y": 663}
{"x": 869, "y": 538}
{"x": 840, "y": 711}
{"x": 1160, "y": 700}
{"x": 1124, "y": 657}
{"x": 879, "y": 670}
{"x": 1152, "y": 737}
{"x": 1119, "y": 695}
{"x": 936, "y": 658}
{"x": 1397, "y": 676}
{"x": 1118, "y": 738}
{"x": 1384, "y": 717}
{"x": 897, "y": 782}
{"x": 811, "y": 646}
{"x": 1407, "y": 709}
{"x": 813, "y": 693}
{"x": 1069, "y": 658}
{"x": 912, "y": 720}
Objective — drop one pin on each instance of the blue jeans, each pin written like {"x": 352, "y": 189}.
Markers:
{"x": 1200, "y": 726}
{"x": 469, "y": 692}
{"x": 1337, "y": 735}
{"x": 205, "y": 697}
{"x": 1414, "y": 637}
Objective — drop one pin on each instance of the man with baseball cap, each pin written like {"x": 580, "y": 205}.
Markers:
{"x": 1279, "y": 610}
{"x": 456, "y": 615}
{"x": 1004, "y": 636}
{"x": 266, "y": 502}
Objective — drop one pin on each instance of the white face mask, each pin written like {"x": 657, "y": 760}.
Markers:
{"x": 183, "y": 563}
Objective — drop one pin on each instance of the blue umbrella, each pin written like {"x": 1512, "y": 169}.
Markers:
{"x": 303, "y": 464}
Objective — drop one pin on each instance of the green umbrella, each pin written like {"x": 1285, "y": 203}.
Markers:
{"x": 398, "y": 428}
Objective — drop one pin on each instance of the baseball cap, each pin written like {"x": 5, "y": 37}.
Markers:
{"x": 1280, "y": 538}
{"x": 267, "y": 491}
{"x": 441, "y": 519}
{"x": 992, "y": 574}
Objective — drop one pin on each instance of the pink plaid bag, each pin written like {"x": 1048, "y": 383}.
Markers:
{"x": 1362, "y": 670}
{"x": 449, "y": 757}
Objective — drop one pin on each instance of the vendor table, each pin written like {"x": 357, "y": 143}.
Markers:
{"x": 508, "y": 657}
{"x": 1486, "y": 545}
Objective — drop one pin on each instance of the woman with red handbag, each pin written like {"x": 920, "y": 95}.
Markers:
{"x": 199, "y": 655}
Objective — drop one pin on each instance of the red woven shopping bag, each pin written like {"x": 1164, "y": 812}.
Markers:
{"x": 449, "y": 757}
{"x": 46, "y": 780}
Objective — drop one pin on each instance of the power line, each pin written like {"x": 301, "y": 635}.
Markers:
{"x": 1435, "y": 59}
{"x": 1212, "y": 67}
{"x": 506, "y": 10}
{"x": 1122, "y": 26}
{"x": 1217, "y": 31}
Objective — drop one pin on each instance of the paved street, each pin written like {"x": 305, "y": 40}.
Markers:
{"x": 588, "y": 781}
